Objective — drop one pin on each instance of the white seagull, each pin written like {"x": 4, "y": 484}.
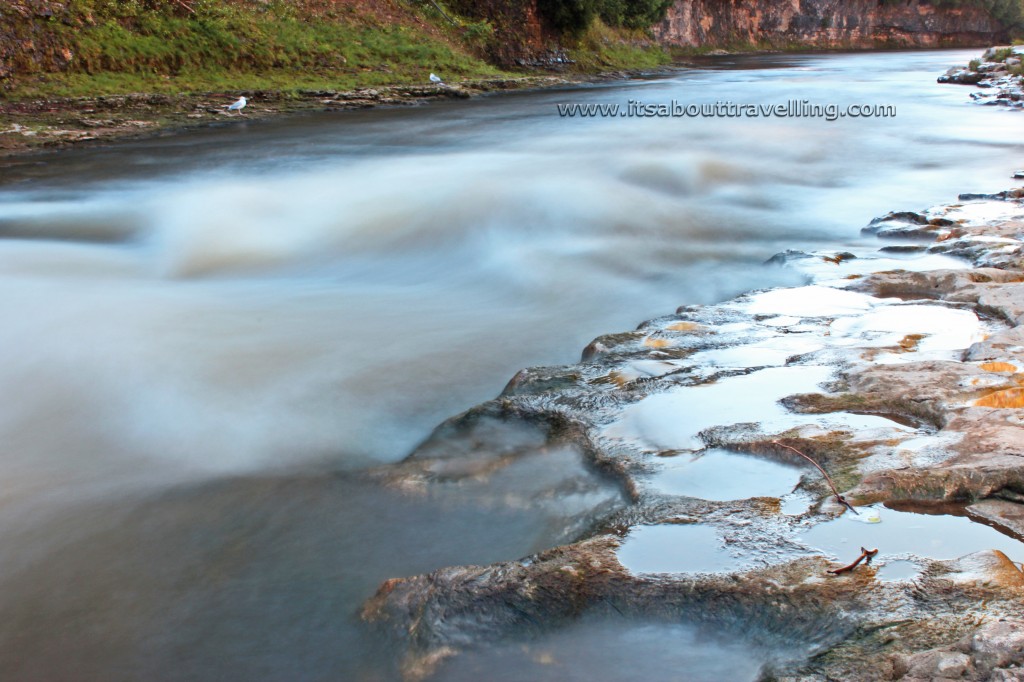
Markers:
{"x": 237, "y": 106}
{"x": 434, "y": 78}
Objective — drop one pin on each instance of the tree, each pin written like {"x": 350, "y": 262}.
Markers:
{"x": 574, "y": 16}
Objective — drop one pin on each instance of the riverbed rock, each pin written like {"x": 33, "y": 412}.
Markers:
{"x": 911, "y": 394}
{"x": 1009, "y": 515}
{"x": 995, "y": 651}
{"x": 962, "y": 77}
{"x": 790, "y": 604}
{"x": 999, "y": 76}
{"x": 1002, "y": 52}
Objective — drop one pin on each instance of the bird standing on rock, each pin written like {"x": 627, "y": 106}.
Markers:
{"x": 435, "y": 79}
{"x": 238, "y": 106}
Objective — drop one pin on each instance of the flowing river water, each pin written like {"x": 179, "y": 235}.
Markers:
{"x": 209, "y": 335}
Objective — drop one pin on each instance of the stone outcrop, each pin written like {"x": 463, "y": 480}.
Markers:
{"x": 824, "y": 24}
{"x": 898, "y": 379}
{"x": 782, "y": 606}
{"x": 998, "y": 75}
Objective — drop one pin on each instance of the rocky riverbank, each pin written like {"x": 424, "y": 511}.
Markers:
{"x": 998, "y": 73}
{"x": 49, "y": 123}
{"x": 59, "y": 122}
{"x": 898, "y": 370}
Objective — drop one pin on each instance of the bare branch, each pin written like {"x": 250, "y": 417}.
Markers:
{"x": 866, "y": 555}
{"x": 839, "y": 498}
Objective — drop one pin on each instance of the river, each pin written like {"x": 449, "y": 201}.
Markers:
{"x": 209, "y": 335}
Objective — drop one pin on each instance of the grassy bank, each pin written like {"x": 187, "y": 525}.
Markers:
{"x": 109, "y": 47}
{"x": 66, "y": 65}
{"x": 602, "y": 48}
{"x": 94, "y": 47}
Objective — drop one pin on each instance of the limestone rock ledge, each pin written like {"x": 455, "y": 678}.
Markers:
{"x": 898, "y": 372}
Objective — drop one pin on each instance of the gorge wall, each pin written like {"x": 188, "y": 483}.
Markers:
{"x": 825, "y": 24}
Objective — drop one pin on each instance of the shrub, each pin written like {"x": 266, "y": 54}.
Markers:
{"x": 1001, "y": 55}
{"x": 632, "y": 13}
{"x": 1010, "y": 13}
{"x": 574, "y": 16}
{"x": 569, "y": 16}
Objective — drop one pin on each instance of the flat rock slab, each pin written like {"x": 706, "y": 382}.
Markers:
{"x": 1010, "y": 515}
{"x": 892, "y": 386}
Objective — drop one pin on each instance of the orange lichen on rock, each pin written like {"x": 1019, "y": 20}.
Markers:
{"x": 998, "y": 367}
{"x": 684, "y": 327}
{"x": 652, "y": 342}
{"x": 909, "y": 342}
{"x": 1007, "y": 398}
{"x": 618, "y": 378}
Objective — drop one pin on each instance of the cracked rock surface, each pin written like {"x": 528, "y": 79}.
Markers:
{"x": 900, "y": 376}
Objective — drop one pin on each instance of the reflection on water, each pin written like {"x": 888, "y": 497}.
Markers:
{"x": 718, "y": 474}
{"x": 896, "y": 571}
{"x": 676, "y": 548}
{"x": 899, "y": 533}
{"x": 261, "y": 300}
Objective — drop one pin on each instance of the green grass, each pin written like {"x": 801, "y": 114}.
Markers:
{"x": 204, "y": 80}
{"x": 226, "y": 47}
{"x": 1002, "y": 55}
{"x": 603, "y": 48}
{"x": 216, "y": 80}
{"x": 153, "y": 46}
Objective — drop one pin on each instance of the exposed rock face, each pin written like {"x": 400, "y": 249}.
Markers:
{"x": 997, "y": 74}
{"x": 784, "y": 605}
{"x": 824, "y": 24}
{"x": 899, "y": 378}
{"x": 521, "y": 37}
{"x": 993, "y": 652}
{"x": 26, "y": 44}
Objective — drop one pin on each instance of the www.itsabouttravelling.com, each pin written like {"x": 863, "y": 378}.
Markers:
{"x": 790, "y": 109}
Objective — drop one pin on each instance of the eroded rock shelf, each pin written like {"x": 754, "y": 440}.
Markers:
{"x": 901, "y": 375}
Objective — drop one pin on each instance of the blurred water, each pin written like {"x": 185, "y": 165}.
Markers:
{"x": 260, "y": 301}
{"x": 670, "y": 652}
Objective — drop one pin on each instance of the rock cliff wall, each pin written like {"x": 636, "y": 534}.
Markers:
{"x": 825, "y": 24}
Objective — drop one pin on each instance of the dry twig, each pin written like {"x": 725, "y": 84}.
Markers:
{"x": 839, "y": 498}
{"x": 866, "y": 555}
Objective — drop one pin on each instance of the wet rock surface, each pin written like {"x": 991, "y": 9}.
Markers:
{"x": 899, "y": 375}
{"x": 998, "y": 73}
